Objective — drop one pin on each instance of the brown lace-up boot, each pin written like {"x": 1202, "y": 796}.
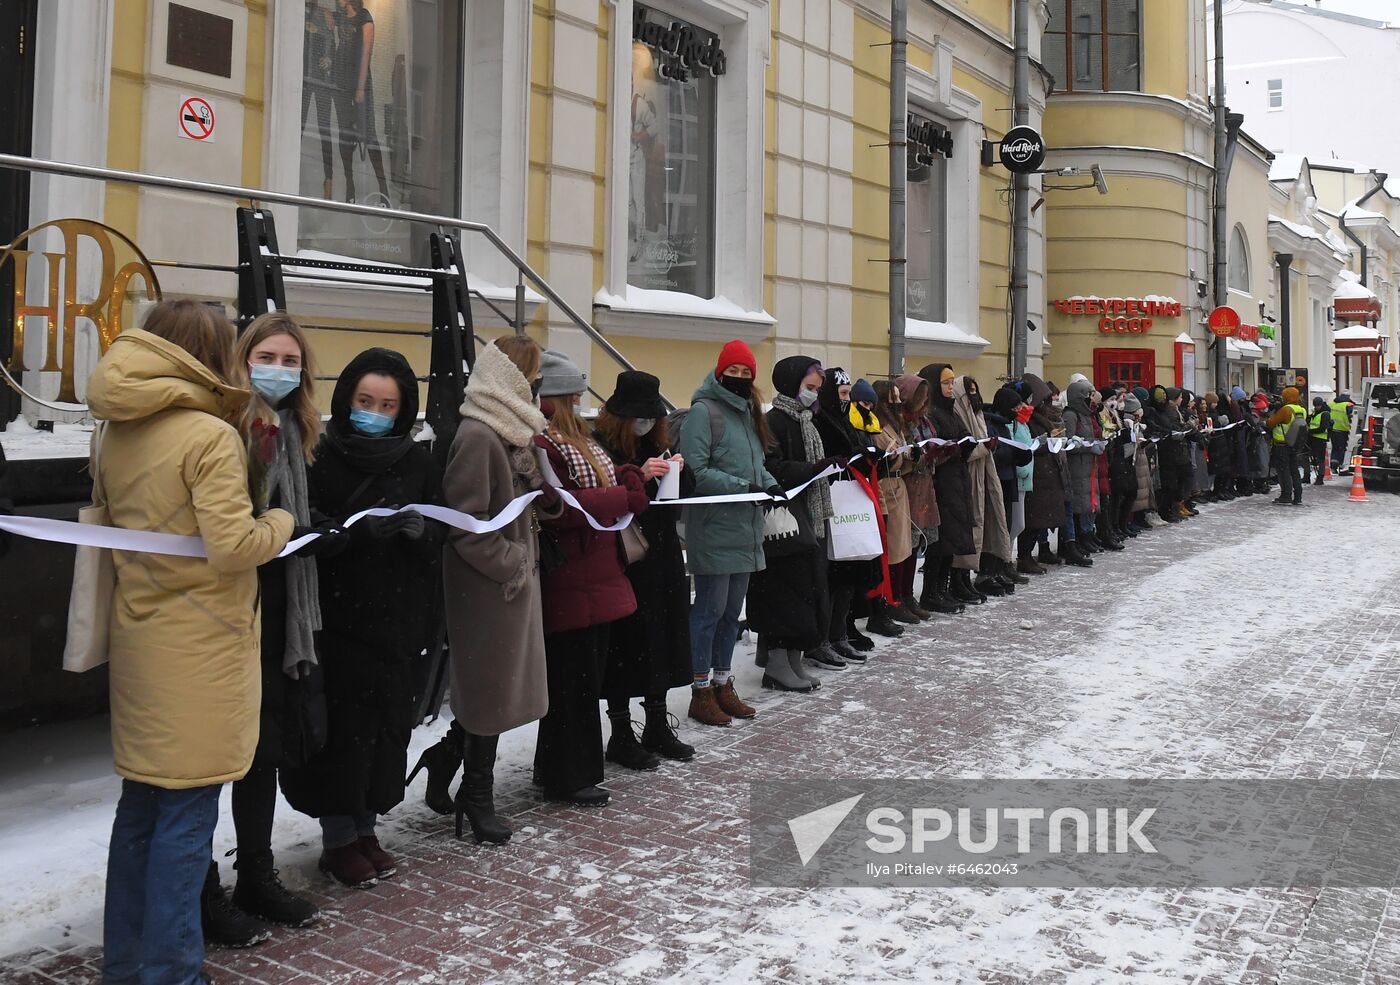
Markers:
{"x": 730, "y": 702}
{"x": 704, "y": 707}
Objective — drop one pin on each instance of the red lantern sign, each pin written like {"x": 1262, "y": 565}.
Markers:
{"x": 1224, "y": 321}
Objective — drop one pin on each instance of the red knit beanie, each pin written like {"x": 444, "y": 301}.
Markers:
{"x": 736, "y": 353}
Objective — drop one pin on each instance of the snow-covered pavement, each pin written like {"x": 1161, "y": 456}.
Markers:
{"x": 1253, "y": 641}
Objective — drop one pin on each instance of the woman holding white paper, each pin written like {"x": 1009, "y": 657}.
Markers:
{"x": 649, "y": 651}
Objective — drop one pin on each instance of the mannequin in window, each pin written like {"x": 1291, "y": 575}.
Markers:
{"x": 354, "y": 95}
{"x": 317, "y": 84}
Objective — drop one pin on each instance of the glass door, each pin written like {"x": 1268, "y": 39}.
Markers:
{"x": 17, "y": 25}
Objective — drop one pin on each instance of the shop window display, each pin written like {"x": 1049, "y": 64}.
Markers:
{"x": 676, "y": 71}
{"x": 380, "y": 121}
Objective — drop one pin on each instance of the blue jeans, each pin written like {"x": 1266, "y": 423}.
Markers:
{"x": 339, "y": 830}
{"x": 714, "y": 624}
{"x": 159, "y": 856}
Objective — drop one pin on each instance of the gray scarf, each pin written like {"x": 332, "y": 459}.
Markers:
{"x": 287, "y": 475}
{"x": 818, "y": 494}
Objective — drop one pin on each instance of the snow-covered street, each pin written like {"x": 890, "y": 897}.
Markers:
{"x": 1253, "y": 641}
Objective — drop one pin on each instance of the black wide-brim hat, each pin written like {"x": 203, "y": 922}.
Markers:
{"x": 637, "y": 395}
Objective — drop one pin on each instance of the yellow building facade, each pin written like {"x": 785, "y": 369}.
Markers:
{"x": 1128, "y": 272}
{"x": 681, "y": 173}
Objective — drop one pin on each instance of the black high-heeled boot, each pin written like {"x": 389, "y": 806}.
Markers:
{"x": 475, "y": 797}
{"x": 935, "y": 594}
{"x": 442, "y": 762}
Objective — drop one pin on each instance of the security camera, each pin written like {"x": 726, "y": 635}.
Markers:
{"x": 1099, "y": 182}
{"x": 1201, "y": 288}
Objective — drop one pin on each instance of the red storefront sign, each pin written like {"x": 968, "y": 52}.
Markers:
{"x": 1224, "y": 321}
{"x": 1247, "y": 333}
{"x": 1121, "y": 316}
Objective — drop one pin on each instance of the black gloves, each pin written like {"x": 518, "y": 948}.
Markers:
{"x": 332, "y": 541}
{"x": 408, "y": 524}
{"x": 776, "y": 491}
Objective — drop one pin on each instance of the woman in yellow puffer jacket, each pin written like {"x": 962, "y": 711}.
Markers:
{"x": 185, "y": 680}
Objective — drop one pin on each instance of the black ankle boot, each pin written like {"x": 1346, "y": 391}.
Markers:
{"x": 442, "y": 761}
{"x": 880, "y": 622}
{"x": 623, "y": 747}
{"x": 1048, "y": 556}
{"x": 225, "y": 924}
{"x": 1012, "y": 575}
{"x": 475, "y": 797}
{"x": 659, "y": 735}
{"x": 961, "y": 588}
{"x": 260, "y": 892}
{"x": 934, "y": 596}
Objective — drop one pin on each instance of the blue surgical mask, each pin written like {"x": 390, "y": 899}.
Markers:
{"x": 370, "y": 423}
{"x": 274, "y": 382}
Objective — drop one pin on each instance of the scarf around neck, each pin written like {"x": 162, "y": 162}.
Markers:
{"x": 286, "y": 474}
{"x": 818, "y": 494}
{"x": 498, "y": 395}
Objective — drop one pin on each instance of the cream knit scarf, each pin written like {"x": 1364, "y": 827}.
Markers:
{"x": 498, "y": 395}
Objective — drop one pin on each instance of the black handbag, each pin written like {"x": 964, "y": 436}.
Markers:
{"x": 787, "y": 529}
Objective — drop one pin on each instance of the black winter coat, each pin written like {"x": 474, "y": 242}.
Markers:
{"x": 840, "y": 439}
{"x": 953, "y": 485}
{"x": 380, "y": 612}
{"x": 788, "y": 602}
{"x": 649, "y": 651}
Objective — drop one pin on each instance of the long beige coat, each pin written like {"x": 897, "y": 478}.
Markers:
{"x": 495, "y": 621}
{"x": 185, "y": 678}
{"x": 894, "y": 500}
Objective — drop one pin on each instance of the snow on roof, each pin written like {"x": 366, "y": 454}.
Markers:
{"x": 1286, "y": 167}
{"x": 1307, "y": 232}
{"x": 1349, "y": 287}
{"x": 1356, "y": 332}
{"x": 1354, "y": 211}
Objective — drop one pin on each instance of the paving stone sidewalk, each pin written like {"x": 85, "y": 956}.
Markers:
{"x": 1238, "y": 644}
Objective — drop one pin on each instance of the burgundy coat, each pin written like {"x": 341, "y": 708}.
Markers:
{"x": 591, "y": 587}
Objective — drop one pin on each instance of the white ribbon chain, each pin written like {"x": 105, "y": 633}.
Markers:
{"x": 177, "y": 545}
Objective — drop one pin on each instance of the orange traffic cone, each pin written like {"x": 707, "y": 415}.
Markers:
{"x": 1358, "y": 484}
{"x": 1326, "y": 467}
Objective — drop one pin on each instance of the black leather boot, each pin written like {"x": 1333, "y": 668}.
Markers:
{"x": 659, "y": 735}
{"x": 880, "y": 622}
{"x": 442, "y": 762}
{"x": 1009, "y": 571}
{"x": 260, "y": 892}
{"x": 623, "y": 747}
{"x": 225, "y": 924}
{"x": 475, "y": 797}
{"x": 961, "y": 588}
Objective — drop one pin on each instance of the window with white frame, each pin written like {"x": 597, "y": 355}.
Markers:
{"x": 1275, "y": 94}
{"x": 380, "y": 121}
{"x": 1239, "y": 279}
{"x": 672, "y": 166}
{"x": 926, "y": 214}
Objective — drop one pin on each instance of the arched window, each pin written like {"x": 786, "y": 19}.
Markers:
{"x": 1239, "y": 261}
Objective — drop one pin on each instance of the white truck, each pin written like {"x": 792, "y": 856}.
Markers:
{"x": 1375, "y": 428}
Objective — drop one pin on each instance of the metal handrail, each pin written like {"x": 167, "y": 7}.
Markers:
{"x": 17, "y": 162}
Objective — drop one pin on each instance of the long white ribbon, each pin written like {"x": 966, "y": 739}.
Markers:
{"x": 154, "y": 542}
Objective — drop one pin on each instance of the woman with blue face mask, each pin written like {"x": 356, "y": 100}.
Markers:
{"x": 379, "y": 607}
{"x": 281, "y": 425}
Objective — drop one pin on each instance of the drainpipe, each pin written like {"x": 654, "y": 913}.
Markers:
{"x": 899, "y": 182}
{"x": 1380, "y": 177}
{"x": 1020, "y": 195}
{"x": 1285, "y": 306}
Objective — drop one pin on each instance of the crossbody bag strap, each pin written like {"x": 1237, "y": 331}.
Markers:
{"x": 99, "y": 493}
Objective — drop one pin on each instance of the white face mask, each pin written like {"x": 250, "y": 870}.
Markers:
{"x": 807, "y": 398}
{"x": 643, "y": 425}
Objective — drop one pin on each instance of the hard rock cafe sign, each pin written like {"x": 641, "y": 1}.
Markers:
{"x": 91, "y": 282}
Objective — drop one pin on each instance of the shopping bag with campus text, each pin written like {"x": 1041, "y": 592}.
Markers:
{"x": 853, "y": 532}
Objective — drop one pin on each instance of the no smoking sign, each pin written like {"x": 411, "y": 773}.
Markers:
{"x": 196, "y": 119}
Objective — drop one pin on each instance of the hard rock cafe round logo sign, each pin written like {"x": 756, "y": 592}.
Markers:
{"x": 76, "y": 284}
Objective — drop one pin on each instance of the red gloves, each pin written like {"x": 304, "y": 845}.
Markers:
{"x": 630, "y": 478}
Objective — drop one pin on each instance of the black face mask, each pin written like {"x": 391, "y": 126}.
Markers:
{"x": 737, "y": 385}
{"x": 535, "y": 386}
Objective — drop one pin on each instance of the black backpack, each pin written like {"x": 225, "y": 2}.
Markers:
{"x": 676, "y": 420}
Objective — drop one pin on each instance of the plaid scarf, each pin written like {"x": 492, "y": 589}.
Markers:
{"x": 581, "y": 473}
{"x": 818, "y": 494}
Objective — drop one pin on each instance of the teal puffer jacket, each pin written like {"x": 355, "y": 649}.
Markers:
{"x": 727, "y": 538}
